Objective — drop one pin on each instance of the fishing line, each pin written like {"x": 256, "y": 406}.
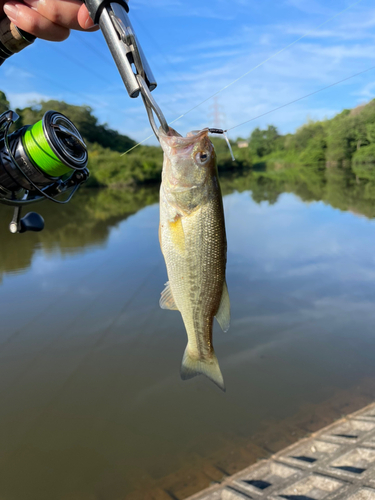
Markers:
{"x": 94, "y": 48}
{"x": 38, "y": 148}
{"x": 146, "y": 33}
{"x": 80, "y": 64}
{"x": 253, "y": 69}
{"x": 89, "y": 69}
{"x": 303, "y": 97}
{"x": 275, "y": 109}
{"x": 149, "y": 137}
{"x": 82, "y": 280}
{"x": 67, "y": 327}
{"x": 224, "y": 133}
{"x": 74, "y": 92}
{"x": 229, "y": 144}
{"x": 271, "y": 57}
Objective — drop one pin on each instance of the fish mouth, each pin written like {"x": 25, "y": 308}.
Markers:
{"x": 173, "y": 141}
{"x": 183, "y": 189}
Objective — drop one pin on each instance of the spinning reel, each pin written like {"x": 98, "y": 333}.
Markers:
{"x": 40, "y": 161}
{"x": 46, "y": 159}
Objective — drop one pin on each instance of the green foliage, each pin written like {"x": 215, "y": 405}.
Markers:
{"x": 314, "y": 151}
{"x": 4, "y": 103}
{"x": 345, "y": 137}
{"x": 84, "y": 222}
{"x": 363, "y": 162}
{"x": 349, "y": 136}
{"x": 370, "y": 132}
{"x": 243, "y": 156}
{"x": 109, "y": 168}
{"x": 263, "y": 142}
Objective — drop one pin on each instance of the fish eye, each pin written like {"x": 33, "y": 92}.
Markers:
{"x": 202, "y": 157}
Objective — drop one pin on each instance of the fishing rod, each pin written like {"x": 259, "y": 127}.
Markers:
{"x": 49, "y": 158}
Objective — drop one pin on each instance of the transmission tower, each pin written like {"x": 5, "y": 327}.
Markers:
{"x": 216, "y": 114}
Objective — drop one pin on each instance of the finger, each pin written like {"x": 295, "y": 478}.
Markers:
{"x": 85, "y": 20}
{"x": 61, "y": 13}
{"x": 34, "y": 23}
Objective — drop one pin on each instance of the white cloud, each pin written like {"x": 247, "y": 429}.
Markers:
{"x": 23, "y": 99}
{"x": 367, "y": 91}
{"x": 12, "y": 71}
{"x": 195, "y": 68}
{"x": 291, "y": 74}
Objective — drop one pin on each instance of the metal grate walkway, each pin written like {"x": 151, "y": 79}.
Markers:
{"x": 337, "y": 462}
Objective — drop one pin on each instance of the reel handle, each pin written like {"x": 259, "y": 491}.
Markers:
{"x": 30, "y": 222}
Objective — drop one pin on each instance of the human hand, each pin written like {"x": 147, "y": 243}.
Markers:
{"x": 48, "y": 19}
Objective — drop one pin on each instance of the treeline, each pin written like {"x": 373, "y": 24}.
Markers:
{"x": 87, "y": 220}
{"x": 349, "y": 137}
{"x": 108, "y": 168}
{"x": 335, "y": 186}
{"x": 84, "y": 222}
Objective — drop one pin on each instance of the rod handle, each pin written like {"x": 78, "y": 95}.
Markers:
{"x": 12, "y": 39}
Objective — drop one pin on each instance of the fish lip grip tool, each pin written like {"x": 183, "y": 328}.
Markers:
{"x": 26, "y": 176}
{"x": 113, "y": 20}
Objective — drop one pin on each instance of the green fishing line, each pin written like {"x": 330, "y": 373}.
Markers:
{"x": 40, "y": 152}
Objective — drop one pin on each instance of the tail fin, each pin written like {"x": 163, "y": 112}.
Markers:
{"x": 206, "y": 366}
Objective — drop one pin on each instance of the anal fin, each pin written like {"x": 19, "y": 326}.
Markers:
{"x": 166, "y": 300}
{"x": 223, "y": 313}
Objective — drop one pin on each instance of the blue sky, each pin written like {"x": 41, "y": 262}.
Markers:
{"x": 195, "y": 48}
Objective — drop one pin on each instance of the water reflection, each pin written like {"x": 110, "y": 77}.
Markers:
{"x": 83, "y": 223}
{"x": 91, "y": 403}
{"x": 88, "y": 219}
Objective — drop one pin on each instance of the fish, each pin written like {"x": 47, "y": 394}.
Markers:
{"x": 193, "y": 242}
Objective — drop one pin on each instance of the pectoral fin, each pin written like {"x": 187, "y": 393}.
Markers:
{"x": 223, "y": 314}
{"x": 166, "y": 300}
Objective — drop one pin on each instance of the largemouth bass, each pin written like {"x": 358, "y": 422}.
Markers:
{"x": 193, "y": 242}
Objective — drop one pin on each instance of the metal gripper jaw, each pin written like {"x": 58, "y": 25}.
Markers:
{"x": 112, "y": 17}
{"x": 114, "y": 22}
{"x": 125, "y": 48}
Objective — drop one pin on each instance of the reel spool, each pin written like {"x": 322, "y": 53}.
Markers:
{"x": 39, "y": 161}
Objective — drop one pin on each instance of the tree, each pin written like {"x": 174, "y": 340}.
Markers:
{"x": 263, "y": 142}
{"x": 370, "y": 132}
{"x": 4, "y": 103}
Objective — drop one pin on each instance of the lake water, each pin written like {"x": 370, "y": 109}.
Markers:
{"x": 91, "y": 402}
